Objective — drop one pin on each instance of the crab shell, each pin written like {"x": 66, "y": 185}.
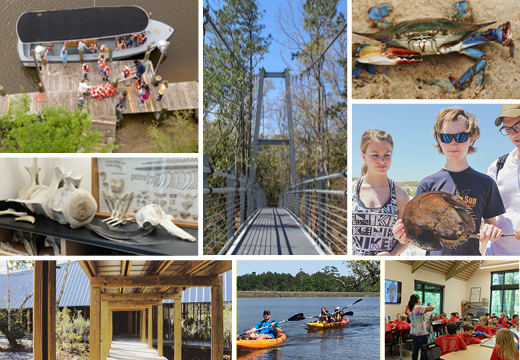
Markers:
{"x": 436, "y": 220}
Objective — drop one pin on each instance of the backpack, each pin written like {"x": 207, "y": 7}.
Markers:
{"x": 500, "y": 163}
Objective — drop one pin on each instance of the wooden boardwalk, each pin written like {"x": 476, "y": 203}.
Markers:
{"x": 62, "y": 87}
{"x": 125, "y": 348}
{"x": 274, "y": 232}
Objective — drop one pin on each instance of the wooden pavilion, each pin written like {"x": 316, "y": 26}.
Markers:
{"x": 129, "y": 285}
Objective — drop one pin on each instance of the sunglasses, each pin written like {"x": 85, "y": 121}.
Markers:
{"x": 459, "y": 138}
{"x": 506, "y": 130}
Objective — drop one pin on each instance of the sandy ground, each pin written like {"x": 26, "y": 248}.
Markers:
{"x": 502, "y": 76}
{"x": 132, "y": 134}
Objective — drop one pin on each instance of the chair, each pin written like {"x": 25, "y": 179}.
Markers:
{"x": 459, "y": 324}
{"x": 389, "y": 342}
{"x": 432, "y": 350}
{"x": 437, "y": 329}
{"x": 404, "y": 338}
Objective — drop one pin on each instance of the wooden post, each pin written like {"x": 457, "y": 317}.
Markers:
{"x": 81, "y": 56}
{"x": 110, "y": 327}
{"x": 104, "y": 330}
{"x": 143, "y": 327}
{"x": 177, "y": 328}
{"x": 160, "y": 320}
{"x": 129, "y": 322}
{"x": 95, "y": 323}
{"x": 2, "y": 91}
{"x": 110, "y": 52}
{"x": 147, "y": 54}
{"x": 114, "y": 82}
{"x": 217, "y": 323}
{"x": 157, "y": 80}
{"x": 162, "y": 115}
{"x": 150, "y": 329}
{"x": 41, "y": 86}
{"x": 44, "y": 337}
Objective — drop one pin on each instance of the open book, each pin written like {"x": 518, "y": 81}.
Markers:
{"x": 489, "y": 343}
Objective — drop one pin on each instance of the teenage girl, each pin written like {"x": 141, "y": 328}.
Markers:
{"x": 505, "y": 348}
{"x": 377, "y": 202}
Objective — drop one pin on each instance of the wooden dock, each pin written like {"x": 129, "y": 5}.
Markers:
{"x": 62, "y": 87}
{"x": 124, "y": 348}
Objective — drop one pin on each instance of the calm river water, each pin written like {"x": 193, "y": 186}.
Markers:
{"x": 358, "y": 340}
{"x": 181, "y": 63}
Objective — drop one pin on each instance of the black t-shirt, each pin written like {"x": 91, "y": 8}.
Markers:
{"x": 477, "y": 190}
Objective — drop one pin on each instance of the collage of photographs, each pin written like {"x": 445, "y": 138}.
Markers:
{"x": 346, "y": 196}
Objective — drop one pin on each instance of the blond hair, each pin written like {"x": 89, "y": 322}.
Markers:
{"x": 508, "y": 350}
{"x": 165, "y": 83}
{"x": 369, "y": 137}
{"x": 483, "y": 318}
{"x": 452, "y": 114}
{"x": 403, "y": 317}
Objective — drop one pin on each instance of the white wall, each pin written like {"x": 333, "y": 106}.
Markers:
{"x": 14, "y": 176}
{"x": 454, "y": 290}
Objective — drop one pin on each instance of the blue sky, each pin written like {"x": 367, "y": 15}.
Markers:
{"x": 288, "y": 266}
{"x": 411, "y": 127}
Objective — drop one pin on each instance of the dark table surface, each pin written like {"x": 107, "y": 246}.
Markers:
{"x": 48, "y": 227}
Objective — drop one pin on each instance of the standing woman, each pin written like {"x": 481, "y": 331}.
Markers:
{"x": 377, "y": 202}
{"x": 418, "y": 325}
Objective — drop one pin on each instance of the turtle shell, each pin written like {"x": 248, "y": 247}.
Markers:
{"x": 436, "y": 220}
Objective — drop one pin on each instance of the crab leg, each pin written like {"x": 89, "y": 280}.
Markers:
{"x": 502, "y": 35}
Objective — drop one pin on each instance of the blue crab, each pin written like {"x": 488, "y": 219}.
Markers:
{"x": 430, "y": 36}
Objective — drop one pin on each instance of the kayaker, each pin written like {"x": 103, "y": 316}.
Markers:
{"x": 338, "y": 314}
{"x": 271, "y": 328}
{"x": 325, "y": 317}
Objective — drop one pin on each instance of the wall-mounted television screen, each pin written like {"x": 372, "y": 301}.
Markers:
{"x": 393, "y": 292}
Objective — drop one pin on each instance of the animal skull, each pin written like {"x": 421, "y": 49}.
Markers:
{"x": 153, "y": 215}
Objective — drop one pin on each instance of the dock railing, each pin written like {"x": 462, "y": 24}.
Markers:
{"x": 228, "y": 208}
{"x": 322, "y": 212}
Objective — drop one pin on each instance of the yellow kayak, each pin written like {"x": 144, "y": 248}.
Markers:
{"x": 259, "y": 344}
{"x": 319, "y": 325}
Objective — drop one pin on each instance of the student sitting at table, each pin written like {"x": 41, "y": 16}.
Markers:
{"x": 467, "y": 335}
{"x": 436, "y": 317}
{"x": 396, "y": 319}
{"x": 402, "y": 323}
{"x": 458, "y": 317}
{"x": 451, "y": 342}
{"x": 505, "y": 322}
{"x": 453, "y": 317}
{"x": 514, "y": 322}
{"x": 505, "y": 348}
{"x": 484, "y": 330}
{"x": 444, "y": 318}
{"x": 388, "y": 331}
{"x": 501, "y": 317}
{"x": 493, "y": 327}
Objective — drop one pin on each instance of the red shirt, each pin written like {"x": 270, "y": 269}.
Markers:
{"x": 494, "y": 354}
{"x": 453, "y": 319}
{"x": 449, "y": 343}
{"x": 504, "y": 325}
{"x": 388, "y": 328}
{"x": 484, "y": 330}
{"x": 468, "y": 340}
{"x": 458, "y": 318}
{"x": 493, "y": 331}
{"x": 444, "y": 321}
{"x": 513, "y": 322}
{"x": 400, "y": 325}
{"x": 435, "y": 318}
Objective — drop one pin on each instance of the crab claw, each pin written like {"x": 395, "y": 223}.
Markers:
{"x": 504, "y": 35}
{"x": 376, "y": 15}
{"x": 381, "y": 55}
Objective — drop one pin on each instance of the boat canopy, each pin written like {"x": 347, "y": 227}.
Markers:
{"x": 79, "y": 24}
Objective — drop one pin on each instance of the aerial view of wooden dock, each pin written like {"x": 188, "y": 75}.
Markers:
{"x": 62, "y": 87}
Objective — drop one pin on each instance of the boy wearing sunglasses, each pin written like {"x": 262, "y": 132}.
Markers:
{"x": 455, "y": 132}
{"x": 506, "y": 171}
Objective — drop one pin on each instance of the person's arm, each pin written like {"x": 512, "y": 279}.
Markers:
{"x": 430, "y": 307}
{"x": 489, "y": 232}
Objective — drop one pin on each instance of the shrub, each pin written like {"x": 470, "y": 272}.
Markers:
{"x": 71, "y": 328}
{"x": 172, "y": 136}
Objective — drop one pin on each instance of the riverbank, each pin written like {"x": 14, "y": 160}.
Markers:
{"x": 275, "y": 294}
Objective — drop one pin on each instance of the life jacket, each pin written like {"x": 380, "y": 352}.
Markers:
{"x": 137, "y": 87}
{"x": 109, "y": 90}
{"x": 103, "y": 48}
{"x": 107, "y": 71}
{"x": 85, "y": 68}
{"x": 97, "y": 91}
{"x": 126, "y": 72}
{"x": 139, "y": 37}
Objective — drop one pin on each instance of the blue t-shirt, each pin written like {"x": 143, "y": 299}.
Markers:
{"x": 269, "y": 329}
{"x": 477, "y": 190}
{"x": 62, "y": 55}
{"x": 140, "y": 68}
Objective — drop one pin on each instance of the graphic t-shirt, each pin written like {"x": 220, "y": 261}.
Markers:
{"x": 468, "y": 340}
{"x": 418, "y": 322}
{"x": 401, "y": 325}
{"x": 477, "y": 190}
{"x": 449, "y": 343}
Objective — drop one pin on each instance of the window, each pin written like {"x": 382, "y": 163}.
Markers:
{"x": 504, "y": 292}
{"x": 430, "y": 293}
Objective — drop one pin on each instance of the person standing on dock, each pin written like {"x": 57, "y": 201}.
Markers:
{"x": 83, "y": 87}
{"x": 82, "y": 45}
{"x": 121, "y": 103}
{"x": 162, "y": 89}
{"x": 144, "y": 93}
{"x": 63, "y": 56}
{"x": 140, "y": 70}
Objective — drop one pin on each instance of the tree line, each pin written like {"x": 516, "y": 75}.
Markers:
{"x": 365, "y": 277}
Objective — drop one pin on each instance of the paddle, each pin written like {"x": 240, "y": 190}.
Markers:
{"x": 296, "y": 317}
{"x": 347, "y": 313}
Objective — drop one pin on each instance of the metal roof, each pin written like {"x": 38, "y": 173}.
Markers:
{"x": 77, "y": 289}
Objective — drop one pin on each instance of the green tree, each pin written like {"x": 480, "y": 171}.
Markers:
{"x": 366, "y": 274}
{"x": 173, "y": 135}
{"x": 12, "y": 323}
{"x": 55, "y": 130}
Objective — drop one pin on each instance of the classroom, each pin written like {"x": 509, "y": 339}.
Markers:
{"x": 464, "y": 293}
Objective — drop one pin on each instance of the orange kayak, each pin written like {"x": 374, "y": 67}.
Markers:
{"x": 319, "y": 325}
{"x": 259, "y": 344}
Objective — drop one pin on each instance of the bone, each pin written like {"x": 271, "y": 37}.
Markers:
{"x": 54, "y": 243}
{"x": 27, "y": 218}
{"x": 117, "y": 186}
{"x": 195, "y": 217}
{"x": 105, "y": 186}
{"x": 187, "y": 204}
{"x": 102, "y": 176}
{"x": 154, "y": 215}
{"x": 160, "y": 195}
{"x": 10, "y": 250}
{"x": 143, "y": 191}
{"x": 12, "y": 212}
{"x": 163, "y": 202}
{"x": 185, "y": 214}
{"x": 28, "y": 240}
{"x": 193, "y": 196}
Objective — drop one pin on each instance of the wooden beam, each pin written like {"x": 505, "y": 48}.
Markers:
{"x": 93, "y": 267}
{"x": 110, "y": 330}
{"x": 219, "y": 267}
{"x": 143, "y": 328}
{"x": 114, "y": 282}
{"x": 95, "y": 323}
{"x": 461, "y": 269}
{"x": 190, "y": 267}
{"x": 177, "y": 328}
{"x": 454, "y": 267}
{"x": 140, "y": 296}
{"x": 163, "y": 266}
{"x": 104, "y": 330}
{"x": 130, "y": 304}
{"x": 160, "y": 320}
{"x": 416, "y": 265}
{"x": 44, "y": 305}
{"x": 150, "y": 331}
{"x": 126, "y": 309}
{"x": 86, "y": 269}
{"x": 217, "y": 323}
